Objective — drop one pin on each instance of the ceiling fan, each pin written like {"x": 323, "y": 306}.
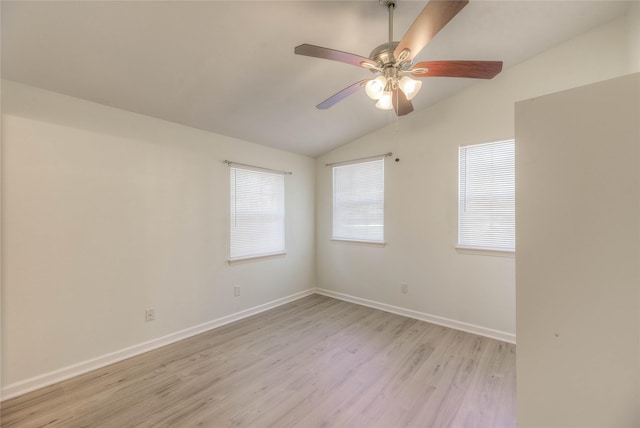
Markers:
{"x": 392, "y": 62}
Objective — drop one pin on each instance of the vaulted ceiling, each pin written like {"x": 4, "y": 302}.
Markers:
{"x": 228, "y": 66}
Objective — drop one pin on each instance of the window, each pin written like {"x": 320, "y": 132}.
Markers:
{"x": 358, "y": 201}
{"x": 257, "y": 213}
{"x": 486, "y": 196}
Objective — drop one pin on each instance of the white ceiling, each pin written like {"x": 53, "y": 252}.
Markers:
{"x": 228, "y": 66}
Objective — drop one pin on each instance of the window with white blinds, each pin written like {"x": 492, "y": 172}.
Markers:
{"x": 486, "y": 196}
{"x": 257, "y": 213}
{"x": 358, "y": 201}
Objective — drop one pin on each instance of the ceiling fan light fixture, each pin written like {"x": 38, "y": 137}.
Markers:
{"x": 375, "y": 87}
{"x": 410, "y": 86}
{"x": 385, "y": 102}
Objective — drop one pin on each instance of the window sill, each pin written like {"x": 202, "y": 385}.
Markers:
{"x": 250, "y": 259}
{"x": 486, "y": 251}
{"x": 355, "y": 242}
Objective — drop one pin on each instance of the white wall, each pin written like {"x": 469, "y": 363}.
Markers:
{"x": 107, "y": 213}
{"x": 578, "y": 226}
{"x": 421, "y": 190}
{"x": 633, "y": 36}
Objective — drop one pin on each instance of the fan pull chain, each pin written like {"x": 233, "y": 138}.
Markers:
{"x": 397, "y": 94}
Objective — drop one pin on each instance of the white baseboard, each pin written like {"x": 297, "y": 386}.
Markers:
{"x": 434, "y": 319}
{"x": 40, "y": 381}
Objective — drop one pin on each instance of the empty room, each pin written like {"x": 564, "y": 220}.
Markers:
{"x": 320, "y": 213}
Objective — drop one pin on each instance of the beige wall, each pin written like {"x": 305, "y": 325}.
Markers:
{"x": 107, "y": 213}
{"x": 578, "y": 226}
{"x": 421, "y": 190}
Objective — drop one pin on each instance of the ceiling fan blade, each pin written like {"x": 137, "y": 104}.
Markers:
{"x": 435, "y": 15}
{"x": 333, "y": 55}
{"x": 341, "y": 95}
{"x": 470, "y": 69}
{"x": 401, "y": 104}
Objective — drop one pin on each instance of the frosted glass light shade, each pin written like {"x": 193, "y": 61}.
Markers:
{"x": 410, "y": 86}
{"x": 385, "y": 103}
{"x": 374, "y": 88}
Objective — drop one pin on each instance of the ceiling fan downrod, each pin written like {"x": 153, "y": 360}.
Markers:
{"x": 383, "y": 55}
{"x": 390, "y": 5}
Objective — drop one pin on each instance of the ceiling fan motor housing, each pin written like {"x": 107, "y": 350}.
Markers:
{"x": 383, "y": 55}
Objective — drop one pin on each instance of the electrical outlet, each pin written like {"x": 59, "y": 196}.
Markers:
{"x": 149, "y": 315}
{"x": 403, "y": 287}
{"x": 236, "y": 290}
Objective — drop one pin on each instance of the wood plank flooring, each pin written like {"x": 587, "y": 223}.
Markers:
{"x": 315, "y": 362}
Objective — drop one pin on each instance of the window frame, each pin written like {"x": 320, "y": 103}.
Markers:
{"x": 233, "y": 214}
{"x": 476, "y": 247}
{"x": 340, "y": 235}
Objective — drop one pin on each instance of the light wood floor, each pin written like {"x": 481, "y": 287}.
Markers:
{"x": 315, "y": 362}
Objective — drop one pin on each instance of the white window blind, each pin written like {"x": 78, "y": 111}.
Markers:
{"x": 257, "y": 213}
{"x": 486, "y": 196}
{"x": 358, "y": 201}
